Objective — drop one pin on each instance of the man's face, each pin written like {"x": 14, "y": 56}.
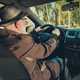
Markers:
{"x": 21, "y": 25}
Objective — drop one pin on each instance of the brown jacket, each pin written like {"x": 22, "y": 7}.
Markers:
{"x": 24, "y": 47}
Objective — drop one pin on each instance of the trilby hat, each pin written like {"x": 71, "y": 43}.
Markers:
{"x": 10, "y": 13}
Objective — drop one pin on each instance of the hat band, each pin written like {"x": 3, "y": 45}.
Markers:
{"x": 20, "y": 15}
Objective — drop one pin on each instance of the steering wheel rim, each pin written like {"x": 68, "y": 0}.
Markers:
{"x": 51, "y": 28}
{"x": 47, "y": 26}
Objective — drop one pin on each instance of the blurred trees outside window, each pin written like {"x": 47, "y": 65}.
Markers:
{"x": 53, "y": 14}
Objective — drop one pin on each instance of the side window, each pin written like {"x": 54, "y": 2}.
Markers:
{"x": 52, "y": 13}
{"x": 45, "y": 12}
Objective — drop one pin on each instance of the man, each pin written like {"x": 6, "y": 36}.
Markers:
{"x": 25, "y": 48}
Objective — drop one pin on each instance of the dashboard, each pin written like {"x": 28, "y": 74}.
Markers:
{"x": 72, "y": 39}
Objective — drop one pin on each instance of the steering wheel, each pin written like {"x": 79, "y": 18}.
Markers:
{"x": 45, "y": 34}
{"x": 47, "y": 28}
{"x": 54, "y": 31}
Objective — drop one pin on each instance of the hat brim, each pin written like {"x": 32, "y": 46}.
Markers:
{"x": 14, "y": 19}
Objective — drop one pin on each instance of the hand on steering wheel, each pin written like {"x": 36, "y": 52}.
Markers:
{"x": 54, "y": 31}
{"x": 48, "y": 28}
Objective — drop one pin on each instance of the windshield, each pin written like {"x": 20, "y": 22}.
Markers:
{"x": 57, "y": 14}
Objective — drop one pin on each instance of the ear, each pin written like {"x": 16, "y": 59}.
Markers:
{"x": 19, "y": 24}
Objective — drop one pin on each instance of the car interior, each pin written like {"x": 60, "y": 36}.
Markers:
{"x": 68, "y": 41}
